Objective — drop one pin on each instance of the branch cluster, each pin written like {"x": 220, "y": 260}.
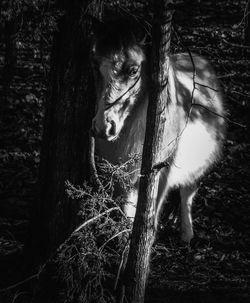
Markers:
{"x": 87, "y": 263}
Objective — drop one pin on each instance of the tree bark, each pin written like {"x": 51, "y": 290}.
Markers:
{"x": 143, "y": 234}
{"x": 68, "y": 116}
{"x": 247, "y": 24}
{"x": 10, "y": 58}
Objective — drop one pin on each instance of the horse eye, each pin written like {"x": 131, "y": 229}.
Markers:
{"x": 132, "y": 71}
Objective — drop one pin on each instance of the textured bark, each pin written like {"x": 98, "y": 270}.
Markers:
{"x": 65, "y": 139}
{"x": 136, "y": 270}
{"x": 10, "y": 58}
{"x": 247, "y": 24}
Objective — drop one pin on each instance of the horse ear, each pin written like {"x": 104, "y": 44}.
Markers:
{"x": 143, "y": 39}
{"x": 143, "y": 34}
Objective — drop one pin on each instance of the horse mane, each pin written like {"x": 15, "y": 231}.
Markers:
{"x": 120, "y": 34}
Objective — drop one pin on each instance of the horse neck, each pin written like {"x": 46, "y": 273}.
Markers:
{"x": 133, "y": 134}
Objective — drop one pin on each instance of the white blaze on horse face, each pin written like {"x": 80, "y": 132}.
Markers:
{"x": 120, "y": 77}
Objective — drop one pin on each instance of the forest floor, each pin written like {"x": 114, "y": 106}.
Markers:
{"x": 216, "y": 266}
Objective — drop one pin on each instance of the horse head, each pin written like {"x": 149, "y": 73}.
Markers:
{"x": 118, "y": 59}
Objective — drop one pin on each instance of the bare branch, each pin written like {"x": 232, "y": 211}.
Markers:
{"x": 94, "y": 175}
{"x": 95, "y": 218}
{"x": 35, "y": 276}
{"x": 123, "y": 261}
{"x": 235, "y": 44}
{"x": 214, "y": 113}
{"x": 116, "y": 235}
{"x": 246, "y": 13}
{"x": 209, "y": 87}
{"x": 194, "y": 87}
{"x": 227, "y": 75}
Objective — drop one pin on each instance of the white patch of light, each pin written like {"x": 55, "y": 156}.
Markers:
{"x": 196, "y": 150}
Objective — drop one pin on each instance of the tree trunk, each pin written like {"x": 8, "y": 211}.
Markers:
{"x": 136, "y": 270}
{"x": 10, "y": 58}
{"x": 65, "y": 139}
{"x": 247, "y": 24}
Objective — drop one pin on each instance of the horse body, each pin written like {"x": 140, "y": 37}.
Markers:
{"x": 193, "y": 130}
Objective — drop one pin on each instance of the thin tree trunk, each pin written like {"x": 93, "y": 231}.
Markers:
{"x": 135, "y": 274}
{"x": 65, "y": 139}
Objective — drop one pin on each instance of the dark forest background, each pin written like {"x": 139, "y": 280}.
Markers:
{"x": 217, "y": 268}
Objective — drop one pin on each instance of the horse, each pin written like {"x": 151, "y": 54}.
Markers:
{"x": 193, "y": 133}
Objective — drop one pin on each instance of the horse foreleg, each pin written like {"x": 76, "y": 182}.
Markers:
{"x": 129, "y": 207}
{"x": 187, "y": 194}
{"x": 163, "y": 190}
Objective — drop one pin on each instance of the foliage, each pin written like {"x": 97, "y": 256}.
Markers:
{"x": 88, "y": 262}
{"x": 118, "y": 174}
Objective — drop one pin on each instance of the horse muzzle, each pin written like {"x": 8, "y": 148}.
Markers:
{"x": 107, "y": 131}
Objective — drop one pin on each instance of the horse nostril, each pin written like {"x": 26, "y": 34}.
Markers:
{"x": 112, "y": 130}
